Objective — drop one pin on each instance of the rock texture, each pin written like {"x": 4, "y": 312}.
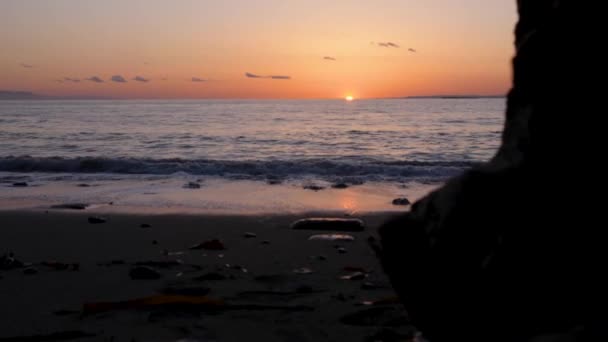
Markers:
{"x": 495, "y": 254}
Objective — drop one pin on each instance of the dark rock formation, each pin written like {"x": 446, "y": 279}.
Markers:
{"x": 491, "y": 252}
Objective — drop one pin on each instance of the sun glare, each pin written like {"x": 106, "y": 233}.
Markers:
{"x": 349, "y": 98}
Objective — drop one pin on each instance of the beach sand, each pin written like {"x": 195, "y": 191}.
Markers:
{"x": 262, "y": 298}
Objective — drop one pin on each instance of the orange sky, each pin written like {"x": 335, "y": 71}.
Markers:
{"x": 462, "y": 47}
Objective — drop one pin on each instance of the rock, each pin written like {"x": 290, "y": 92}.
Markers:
{"x": 30, "y": 271}
{"x": 339, "y": 186}
{"x": 192, "y": 185}
{"x": 212, "y": 276}
{"x": 96, "y": 220}
{"x": 20, "y": 184}
{"x": 210, "y": 245}
{"x": 302, "y": 270}
{"x": 401, "y": 201}
{"x": 144, "y": 273}
{"x": 342, "y": 250}
{"x": 186, "y": 291}
{"x": 313, "y": 187}
{"x": 330, "y": 224}
{"x": 354, "y": 276}
{"x": 145, "y": 225}
{"x": 250, "y": 235}
{"x": 495, "y": 246}
{"x": 73, "y": 206}
{"x": 332, "y": 237}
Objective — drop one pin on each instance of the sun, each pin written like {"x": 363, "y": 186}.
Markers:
{"x": 349, "y": 98}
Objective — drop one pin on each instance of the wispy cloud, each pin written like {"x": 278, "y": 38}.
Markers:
{"x": 69, "y": 79}
{"x": 27, "y": 66}
{"x": 411, "y": 50}
{"x": 118, "y": 79}
{"x": 388, "y": 45}
{"x": 141, "y": 79}
{"x": 274, "y": 77}
{"x": 328, "y": 58}
{"x": 95, "y": 79}
{"x": 197, "y": 79}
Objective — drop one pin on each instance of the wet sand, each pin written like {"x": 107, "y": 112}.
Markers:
{"x": 260, "y": 299}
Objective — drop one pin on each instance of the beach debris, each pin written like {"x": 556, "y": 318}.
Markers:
{"x": 354, "y": 276}
{"x": 160, "y": 263}
{"x": 342, "y": 250}
{"x": 56, "y": 336}
{"x": 265, "y": 242}
{"x": 9, "y": 262}
{"x": 210, "y": 245}
{"x": 313, "y": 187}
{"x": 250, "y": 235}
{"x": 96, "y": 220}
{"x": 20, "y": 184}
{"x": 332, "y": 237}
{"x": 192, "y": 185}
{"x": 145, "y": 225}
{"x": 61, "y": 266}
{"x": 186, "y": 291}
{"x": 376, "y": 316}
{"x": 339, "y": 185}
{"x": 144, "y": 273}
{"x": 303, "y": 270}
{"x": 73, "y": 206}
{"x": 173, "y": 302}
{"x": 401, "y": 201}
{"x": 30, "y": 271}
{"x": 212, "y": 276}
{"x": 331, "y": 224}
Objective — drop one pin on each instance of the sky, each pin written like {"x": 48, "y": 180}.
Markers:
{"x": 256, "y": 48}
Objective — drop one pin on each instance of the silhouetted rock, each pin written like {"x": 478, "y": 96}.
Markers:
{"x": 330, "y": 224}
{"x": 96, "y": 220}
{"x": 401, "y": 201}
{"x": 492, "y": 249}
{"x": 144, "y": 273}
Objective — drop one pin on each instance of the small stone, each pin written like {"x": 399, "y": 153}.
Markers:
{"x": 339, "y": 186}
{"x": 30, "y": 271}
{"x": 144, "y": 273}
{"x": 192, "y": 185}
{"x": 210, "y": 245}
{"x": 250, "y": 235}
{"x": 145, "y": 225}
{"x": 96, "y": 220}
{"x": 342, "y": 250}
{"x": 20, "y": 184}
{"x": 401, "y": 201}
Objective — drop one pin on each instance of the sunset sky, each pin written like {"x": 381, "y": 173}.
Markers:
{"x": 204, "y": 49}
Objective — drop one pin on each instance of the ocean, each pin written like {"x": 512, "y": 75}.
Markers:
{"x": 396, "y": 141}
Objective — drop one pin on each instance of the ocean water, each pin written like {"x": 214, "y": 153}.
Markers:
{"x": 401, "y": 140}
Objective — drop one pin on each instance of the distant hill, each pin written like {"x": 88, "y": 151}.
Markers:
{"x": 20, "y": 95}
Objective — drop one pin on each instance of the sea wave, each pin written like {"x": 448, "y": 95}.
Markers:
{"x": 356, "y": 168}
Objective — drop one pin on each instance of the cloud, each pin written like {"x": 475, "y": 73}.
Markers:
{"x": 388, "y": 45}
{"x": 68, "y": 79}
{"x": 274, "y": 77}
{"x": 118, "y": 79}
{"x": 141, "y": 79}
{"x": 411, "y": 50}
{"x": 95, "y": 79}
{"x": 27, "y": 66}
{"x": 328, "y": 58}
{"x": 196, "y": 79}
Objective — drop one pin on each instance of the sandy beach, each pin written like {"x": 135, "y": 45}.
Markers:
{"x": 272, "y": 285}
